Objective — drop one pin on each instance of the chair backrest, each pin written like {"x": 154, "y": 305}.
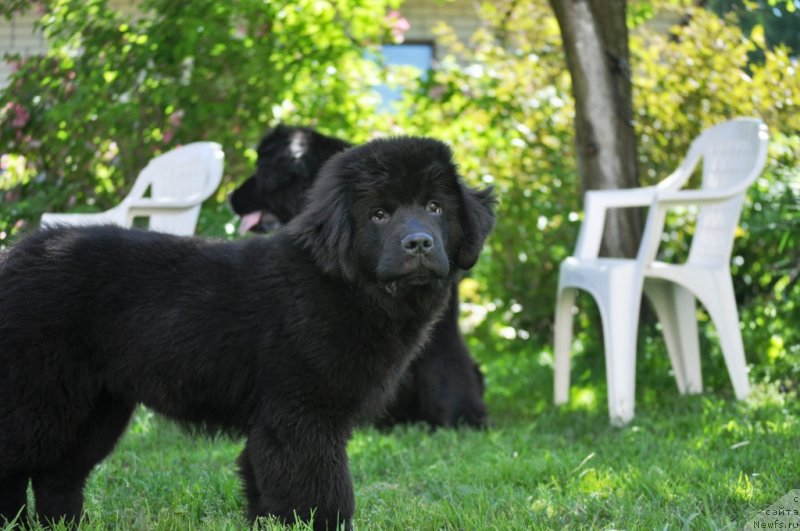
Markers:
{"x": 188, "y": 173}
{"x": 733, "y": 155}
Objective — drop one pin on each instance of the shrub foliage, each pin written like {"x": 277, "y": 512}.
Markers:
{"x": 509, "y": 115}
{"x": 77, "y": 123}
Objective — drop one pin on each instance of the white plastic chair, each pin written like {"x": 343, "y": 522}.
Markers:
{"x": 733, "y": 154}
{"x": 179, "y": 181}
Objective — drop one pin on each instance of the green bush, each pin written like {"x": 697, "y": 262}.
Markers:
{"x": 503, "y": 100}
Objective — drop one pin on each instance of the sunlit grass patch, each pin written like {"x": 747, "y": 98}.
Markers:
{"x": 702, "y": 461}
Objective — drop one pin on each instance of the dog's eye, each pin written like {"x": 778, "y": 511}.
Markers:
{"x": 380, "y": 216}
{"x": 434, "y": 207}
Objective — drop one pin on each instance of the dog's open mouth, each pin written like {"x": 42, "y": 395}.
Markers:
{"x": 248, "y": 221}
{"x": 403, "y": 283}
{"x": 258, "y": 221}
{"x": 414, "y": 273}
{"x": 417, "y": 279}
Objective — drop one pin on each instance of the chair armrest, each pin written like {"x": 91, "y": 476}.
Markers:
{"x": 695, "y": 197}
{"x": 146, "y": 205}
{"x": 658, "y": 214}
{"x": 150, "y": 206}
{"x": 594, "y": 215}
{"x": 620, "y": 198}
{"x": 656, "y": 218}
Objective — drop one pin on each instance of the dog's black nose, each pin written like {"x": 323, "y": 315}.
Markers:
{"x": 418, "y": 243}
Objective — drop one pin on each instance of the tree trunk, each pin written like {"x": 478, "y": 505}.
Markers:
{"x": 595, "y": 37}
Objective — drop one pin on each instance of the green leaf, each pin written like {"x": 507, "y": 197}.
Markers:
{"x": 757, "y": 36}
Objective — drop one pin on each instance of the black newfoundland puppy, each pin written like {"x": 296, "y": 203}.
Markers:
{"x": 289, "y": 341}
{"x": 443, "y": 385}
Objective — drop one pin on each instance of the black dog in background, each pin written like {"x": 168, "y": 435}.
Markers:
{"x": 444, "y": 385}
{"x": 289, "y": 159}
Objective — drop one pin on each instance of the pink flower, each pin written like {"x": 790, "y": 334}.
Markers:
{"x": 436, "y": 92}
{"x": 398, "y": 25}
{"x": 21, "y": 116}
{"x": 176, "y": 118}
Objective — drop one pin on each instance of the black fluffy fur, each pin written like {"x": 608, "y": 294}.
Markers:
{"x": 288, "y": 341}
{"x": 444, "y": 385}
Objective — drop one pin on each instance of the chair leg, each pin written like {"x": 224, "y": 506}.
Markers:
{"x": 620, "y": 315}
{"x": 562, "y": 342}
{"x": 675, "y": 307}
{"x": 722, "y": 309}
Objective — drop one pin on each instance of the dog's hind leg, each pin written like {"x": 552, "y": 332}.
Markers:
{"x": 13, "y": 498}
{"x": 59, "y": 487}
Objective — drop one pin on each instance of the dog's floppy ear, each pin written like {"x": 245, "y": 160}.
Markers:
{"x": 323, "y": 226}
{"x": 477, "y": 219}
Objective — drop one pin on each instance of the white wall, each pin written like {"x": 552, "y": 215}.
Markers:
{"x": 424, "y": 15}
{"x": 18, "y": 36}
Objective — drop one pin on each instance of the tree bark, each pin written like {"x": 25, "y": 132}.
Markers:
{"x": 595, "y": 37}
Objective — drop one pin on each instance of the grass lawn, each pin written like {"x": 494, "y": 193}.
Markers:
{"x": 701, "y": 462}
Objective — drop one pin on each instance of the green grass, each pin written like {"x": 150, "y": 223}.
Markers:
{"x": 701, "y": 462}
